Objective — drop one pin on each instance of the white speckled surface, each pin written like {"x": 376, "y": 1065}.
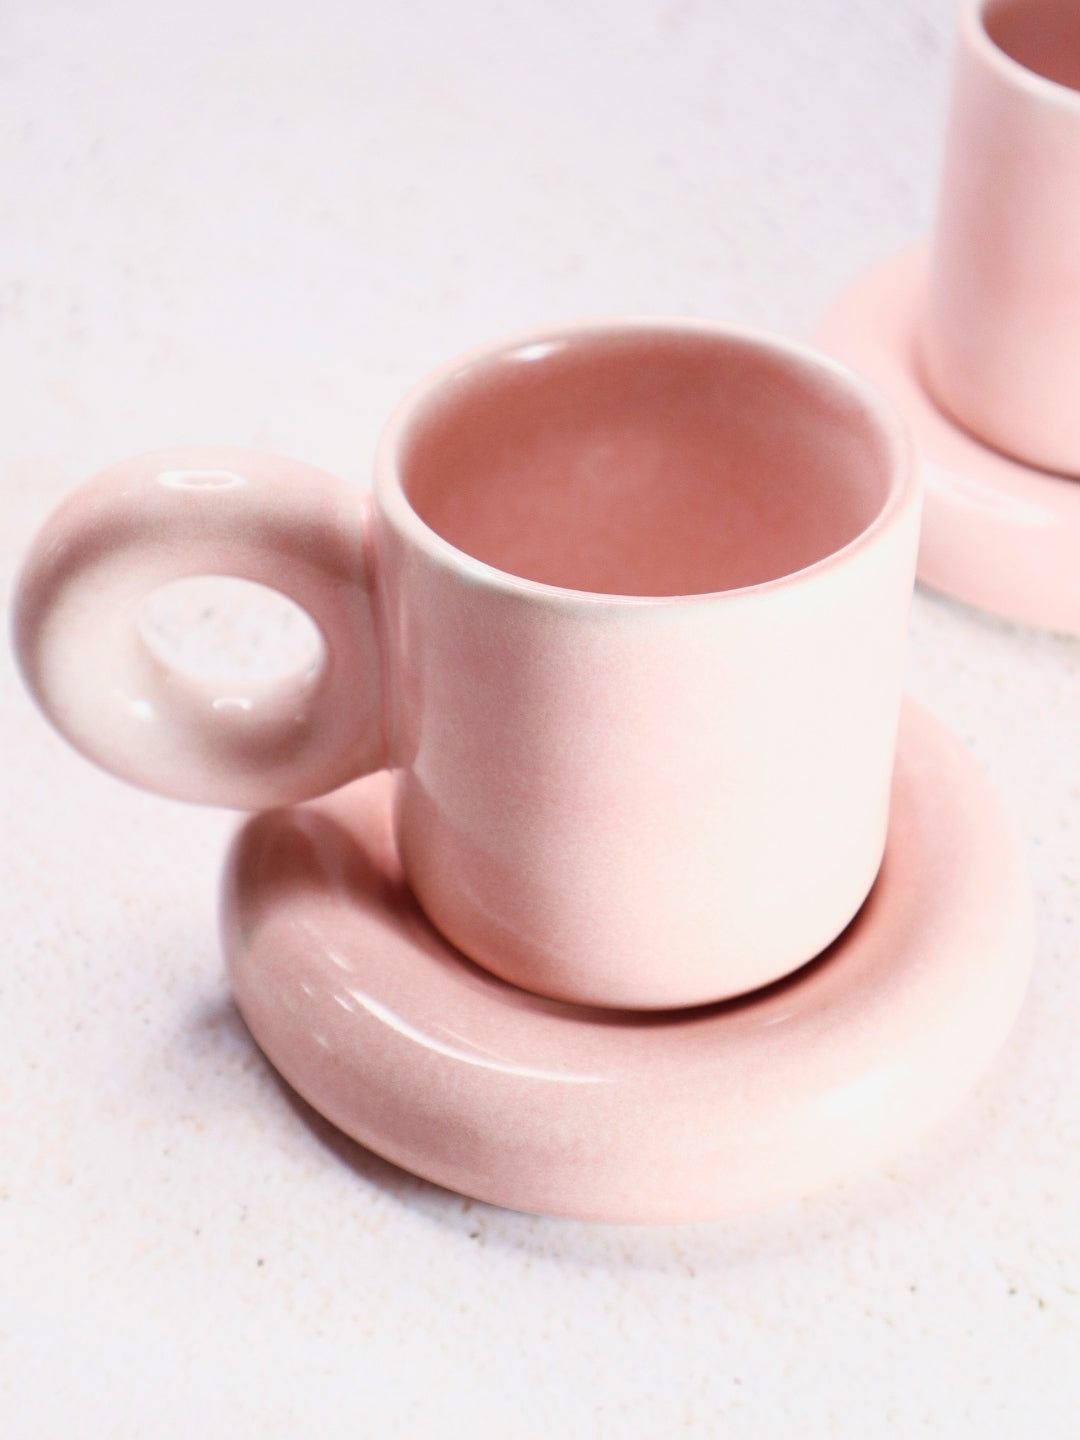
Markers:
{"x": 257, "y": 224}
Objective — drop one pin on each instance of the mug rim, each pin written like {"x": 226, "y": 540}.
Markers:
{"x": 904, "y": 487}
{"x": 985, "y": 48}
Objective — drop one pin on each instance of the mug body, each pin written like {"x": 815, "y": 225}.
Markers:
{"x": 1001, "y": 328}
{"x": 643, "y": 591}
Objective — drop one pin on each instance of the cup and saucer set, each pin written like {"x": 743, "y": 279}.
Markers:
{"x": 599, "y": 867}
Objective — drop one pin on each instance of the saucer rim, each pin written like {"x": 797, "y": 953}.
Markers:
{"x": 791, "y": 1109}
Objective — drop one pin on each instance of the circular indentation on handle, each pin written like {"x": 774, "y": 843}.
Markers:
{"x": 218, "y": 628}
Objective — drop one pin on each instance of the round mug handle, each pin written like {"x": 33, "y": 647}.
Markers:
{"x": 176, "y": 514}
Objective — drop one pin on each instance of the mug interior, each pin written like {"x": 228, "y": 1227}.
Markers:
{"x": 1041, "y": 35}
{"x": 647, "y": 462}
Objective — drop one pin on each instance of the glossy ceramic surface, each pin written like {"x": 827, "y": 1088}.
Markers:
{"x": 530, "y": 1103}
{"x": 1001, "y": 324}
{"x": 996, "y": 533}
{"x": 158, "y": 518}
{"x": 628, "y": 613}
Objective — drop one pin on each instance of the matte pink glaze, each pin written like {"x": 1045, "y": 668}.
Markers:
{"x": 635, "y": 778}
{"x": 1001, "y": 330}
{"x": 996, "y": 533}
{"x": 615, "y": 789}
{"x": 530, "y": 1103}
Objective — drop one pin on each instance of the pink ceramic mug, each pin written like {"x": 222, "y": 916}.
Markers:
{"x": 1001, "y": 329}
{"x": 626, "y": 611}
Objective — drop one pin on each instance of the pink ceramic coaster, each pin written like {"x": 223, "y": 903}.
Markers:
{"x": 543, "y": 1106}
{"x": 996, "y": 533}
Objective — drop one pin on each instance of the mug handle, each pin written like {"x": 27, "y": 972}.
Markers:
{"x": 169, "y": 516}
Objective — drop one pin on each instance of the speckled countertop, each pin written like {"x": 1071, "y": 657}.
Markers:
{"x": 257, "y": 223}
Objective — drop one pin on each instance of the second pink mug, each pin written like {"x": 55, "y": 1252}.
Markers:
{"x": 1000, "y": 341}
{"x": 626, "y": 613}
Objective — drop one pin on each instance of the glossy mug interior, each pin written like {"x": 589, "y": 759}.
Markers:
{"x": 626, "y": 613}
{"x": 1001, "y": 328}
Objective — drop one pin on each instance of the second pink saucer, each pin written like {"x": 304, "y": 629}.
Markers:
{"x": 996, "y": 533}
{"x": 542, "y": 1106}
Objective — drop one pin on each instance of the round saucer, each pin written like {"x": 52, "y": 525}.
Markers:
{"x": 996, "y": 533}
{"x": 542, "y": 1106}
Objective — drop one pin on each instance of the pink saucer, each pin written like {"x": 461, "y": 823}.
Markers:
{"x": 996, "y": 533}
{"x": 542, "y": 1106}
